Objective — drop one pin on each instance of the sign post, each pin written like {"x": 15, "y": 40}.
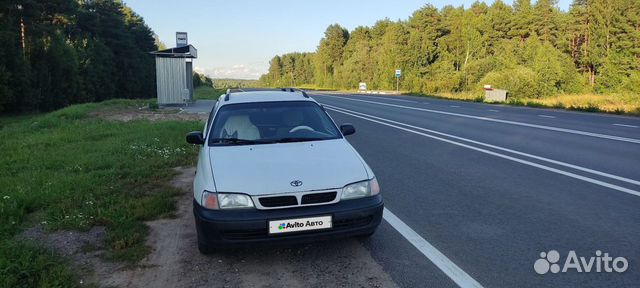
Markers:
{"x": 398, "y": 74}
{"x": 181, "y": 39}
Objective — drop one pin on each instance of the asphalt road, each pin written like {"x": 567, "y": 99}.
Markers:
{"x": 479, "y": 191}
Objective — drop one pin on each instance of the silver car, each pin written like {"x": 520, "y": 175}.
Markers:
{"x": 274, "y": 167}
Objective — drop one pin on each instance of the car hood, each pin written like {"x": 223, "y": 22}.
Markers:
{"x": 270, "y": 168}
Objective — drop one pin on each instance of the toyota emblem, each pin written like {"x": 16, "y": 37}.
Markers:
{"x": 296, "y": 183}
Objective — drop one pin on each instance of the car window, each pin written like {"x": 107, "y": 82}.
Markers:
{"x": 208, "y": 124}
{"x": 271, "y": 122}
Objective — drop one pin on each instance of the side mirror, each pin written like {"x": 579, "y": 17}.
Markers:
{"x": 195, "y": 137}
{"x": 347, "y": 129}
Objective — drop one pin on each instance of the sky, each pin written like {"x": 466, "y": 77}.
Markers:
{"x": 237, "y": 38}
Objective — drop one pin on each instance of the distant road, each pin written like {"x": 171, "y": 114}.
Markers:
{"x": 476, "y": 192}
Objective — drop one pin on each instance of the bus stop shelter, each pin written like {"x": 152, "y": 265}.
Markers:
{"x": 174, "y": 74}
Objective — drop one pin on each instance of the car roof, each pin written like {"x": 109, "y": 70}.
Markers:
{"x": 272, "y": 95}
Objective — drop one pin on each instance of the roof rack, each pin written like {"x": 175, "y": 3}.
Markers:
{"x": 229, "y": 91}
{"x": 296, "y": 90}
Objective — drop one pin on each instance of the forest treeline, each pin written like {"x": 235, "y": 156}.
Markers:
{"x": 531, "y": 49}
{"x": 225, "y": 83}
{"x": 200, "y": 79}
{"x": 59, "y": 52}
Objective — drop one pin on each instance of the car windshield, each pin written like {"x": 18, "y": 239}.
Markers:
{"x": 271, "y": 122}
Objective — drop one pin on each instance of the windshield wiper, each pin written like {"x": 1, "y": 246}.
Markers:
{"x": 238, "y": 141}
{"x": 297, "y": 139}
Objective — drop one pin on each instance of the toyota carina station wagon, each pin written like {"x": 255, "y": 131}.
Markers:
{"x": 273, "y": 167}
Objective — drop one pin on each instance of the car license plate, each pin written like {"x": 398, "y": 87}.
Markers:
{"x": 300, "y": 224}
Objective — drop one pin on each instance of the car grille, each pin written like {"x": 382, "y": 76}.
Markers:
{"x": 318, "y": 198}
{"x": 278, "y": 201}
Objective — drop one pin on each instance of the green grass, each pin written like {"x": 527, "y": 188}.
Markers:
{"x": 206, "y": 92}
{"x": 463, "y": 96}
{"x": 24, "y": 265}
{"x": 616, "y": 103}
{"x": 314, "y": 87}
{"x": 66, "y": 170}
{"x": 620, "y": 103}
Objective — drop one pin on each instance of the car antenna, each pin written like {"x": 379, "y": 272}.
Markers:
{"x": 226, "y": 97}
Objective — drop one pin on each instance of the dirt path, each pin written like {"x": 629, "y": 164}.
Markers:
{"x": 176, "y": 262}
{"x": 132, "y": 113}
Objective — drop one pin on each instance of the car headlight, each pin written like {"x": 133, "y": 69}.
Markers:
{"x": 234, "y": 201}
{"x": 212, "y": 200}
{"x": 361, "y": 189}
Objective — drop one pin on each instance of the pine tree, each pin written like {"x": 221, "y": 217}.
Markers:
{"x": 357, "y": 65}
{"x": 6, "y": 96}
{"x": 275, "y": 72}
{"x": 500, "y": 16}
{"x": 329, "y": 54}
{"x": 522, "y": 24}
{"x": 535, "y": 50}
{"x": 60, "y": 52}
{"x": 452, "y": 43}
{"x": 577, "y": 33}
{"x": 545, "y": 20}
{"x": 288, "y": 67}
{"x": 425, "y": 28}
{"x": 392, "y": 54}
{"x": 97, "y": 69}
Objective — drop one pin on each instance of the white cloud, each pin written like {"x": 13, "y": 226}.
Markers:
{"x": 238, "y": 71}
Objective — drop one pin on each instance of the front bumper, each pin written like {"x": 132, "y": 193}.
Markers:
{"x": 248, "y": 227}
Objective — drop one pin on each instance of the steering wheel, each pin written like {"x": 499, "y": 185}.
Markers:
{"x": 301, "y": 127}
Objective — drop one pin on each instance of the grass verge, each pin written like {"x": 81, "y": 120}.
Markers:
{"x": 314, "y": 87}
{"x": 25, "y": 265}
{"x": 66, "y": 170}
{"x": 208, "y": 93}
{"x": 627, "y": 104}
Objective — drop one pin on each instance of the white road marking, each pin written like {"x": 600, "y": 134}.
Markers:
{"x": 625, "y": 125}
{"x": 493, "y": 110}
{"x": 596, "y": 172}
{"x": 551, "y": 128}
{"x": 401, "y": 100}
{"x": 546, "y": 116}
{"x": 551, "y": 169}
{"x": 436, "y": 257}
{"x": 454, "y": 106}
